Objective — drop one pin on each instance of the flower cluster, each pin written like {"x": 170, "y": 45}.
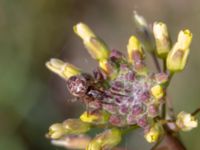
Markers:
{"x": 122, "y": 93}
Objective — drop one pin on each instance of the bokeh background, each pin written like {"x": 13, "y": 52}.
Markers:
{"x": 32, "y": 31}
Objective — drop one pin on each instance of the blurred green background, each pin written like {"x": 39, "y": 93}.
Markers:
{"x": 32, "y": 31}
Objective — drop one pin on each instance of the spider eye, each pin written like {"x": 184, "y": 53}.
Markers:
{"x": 77, "y": 85}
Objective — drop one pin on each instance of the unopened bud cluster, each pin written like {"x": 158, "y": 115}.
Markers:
{"x": 122, "y": 93}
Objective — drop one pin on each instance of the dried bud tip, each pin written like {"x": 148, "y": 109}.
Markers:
{"x": 139, "y": 21}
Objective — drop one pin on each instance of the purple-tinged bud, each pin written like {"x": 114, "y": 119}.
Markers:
{"x": 123, "y": 109}
{"x": 116, "y": 120}
{"x": 110, "y": 108}
{"x": 95, "y": 105}
{"x": 145, "y": 97}
{"x": 130, "y": 76}
{"x": 124, "y": 67}
{"x": 137, "y": 109}
{"x": 118, "y": 100}
{"x": 128, "y": 89}
{"x": 161, "y": 78}
{"x": 131, "y": 119}
{"x": 115, "y": 55}
{"x": 153, "y": 110}
{"x": 142, "y": 121}
{"x": 99, "y": 74}
{"x": 118, "y": 85}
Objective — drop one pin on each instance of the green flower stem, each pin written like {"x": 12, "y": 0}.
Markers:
{"x": 196, "y": 112}
{"x": 164, "y": 65}
{"x": 169, "y": 105}
{"x": 156, "y": 62}
{"x": 164, "y": 110}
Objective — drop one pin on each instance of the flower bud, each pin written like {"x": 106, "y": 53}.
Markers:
{"x": 56, "y": 131}
{"x": 140, "y": 22}
{"x": 162, "y": 39}
{"x": 157, "y": 92}
{"x": 76, "y": 126}
{"x": 100, "y": 117}
{"x": 106, "y": 140}
{"x": 83, "y": 31}
{"x": 186, "y": 121}
{"x": 134, "y": 45}
{"x": 161, "y": 78}
{"x": 154, "y": 133}
{"x": 64, "y": 70}
{"x": 177, "y": 57}
{"x": 135, "y": 54}
{"x": 144, "y": 32}
{"x": 106, "y": 66}
{"x": 95, "y": 46}
{"x": 109, "y": 68}
{"x": 184, "y": 39}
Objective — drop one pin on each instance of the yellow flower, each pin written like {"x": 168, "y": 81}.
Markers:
{"x": 186, "y": 121}
{"x": 64, "y": 70}
{"x": 95, "y": 46}
{"x": 177, "y": 57}
{"x": 97, "y": 118}
{"x": 162, "y": 39}
{"x": 154, "y": 133}
{"x": 134, "y": 45}
{"x": 76, "y": 126}
{"x": 106, "y": 140}
{"x": 83, "y": 31}
{"x": 56, "y": 131}
{"x": 157, "y": 92}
